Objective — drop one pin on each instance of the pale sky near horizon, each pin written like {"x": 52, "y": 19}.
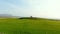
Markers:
{"x": 37, "y": 8}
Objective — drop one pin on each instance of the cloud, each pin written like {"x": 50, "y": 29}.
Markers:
{"x": 18, "y": 10}
{"x": 37, "y": 8}
{"x": 47, "y": 8}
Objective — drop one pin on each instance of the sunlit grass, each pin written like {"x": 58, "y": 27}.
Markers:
{"x": 29, "y": 26}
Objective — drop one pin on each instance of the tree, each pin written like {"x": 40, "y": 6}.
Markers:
{"x": 31, "y": 17}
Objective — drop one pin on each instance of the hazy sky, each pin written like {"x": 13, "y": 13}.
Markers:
{"x": 38, "y": 8}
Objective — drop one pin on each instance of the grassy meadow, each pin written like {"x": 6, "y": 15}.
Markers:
{"x": 29, "y": 26}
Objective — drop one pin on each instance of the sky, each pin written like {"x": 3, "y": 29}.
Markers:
{"x": 36, "y": 8}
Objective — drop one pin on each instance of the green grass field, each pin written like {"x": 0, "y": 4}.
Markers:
{"x": 29, "y": 26}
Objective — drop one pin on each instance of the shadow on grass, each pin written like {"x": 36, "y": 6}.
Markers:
{"x": 25, "y": 33}
{"x": 19, "y": 32}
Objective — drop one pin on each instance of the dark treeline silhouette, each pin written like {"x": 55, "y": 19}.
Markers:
{"x": 31, "y": 17}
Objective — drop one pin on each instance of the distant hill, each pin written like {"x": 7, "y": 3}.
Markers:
{"x": 7, "y": 16}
